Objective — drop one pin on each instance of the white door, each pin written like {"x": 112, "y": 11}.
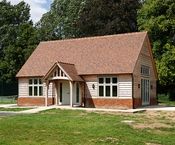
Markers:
{"x": 145, "y": 91}
{"x": 64, "y": 93}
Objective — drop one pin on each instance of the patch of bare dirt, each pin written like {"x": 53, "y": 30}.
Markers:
{"x": 110, "y": 140}
{"x": 152, "y": 144}
{"x": 155, "y": 125}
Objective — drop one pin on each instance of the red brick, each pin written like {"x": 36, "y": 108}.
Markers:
{"x": 153, "y": 101}
{"x": 38, "y": 101}
{"x": 109, "y": 103}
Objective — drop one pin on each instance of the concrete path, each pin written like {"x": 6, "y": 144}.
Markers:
{"x": 39, "y": 109}
{"x": 36, "y": 110}
{"x": 159, "y": 108}
{"x": 100, "y": 109}
{"x": 7, "y": 105}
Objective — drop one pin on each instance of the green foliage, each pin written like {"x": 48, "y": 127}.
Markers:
{"x": 104, "y": 17}
{"x": 158, "y": 18}
{"x": 78, "y": 18}
{"x": 60, "y": 21}
{"x": 17, "y": 38}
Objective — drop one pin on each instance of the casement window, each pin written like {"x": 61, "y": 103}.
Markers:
{"x": 107, "y": 86}
{"x": 35, "y": 87}
{"x": 145, "y": 70}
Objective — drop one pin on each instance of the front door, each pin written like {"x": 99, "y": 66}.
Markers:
{"x": 145, "y": 91}
{"x": 64, "y": 93}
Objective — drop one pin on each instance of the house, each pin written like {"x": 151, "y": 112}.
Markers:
{"x": 115, "y": 71}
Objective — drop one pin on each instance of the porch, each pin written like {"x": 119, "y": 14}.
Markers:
{"x": 67, "y": 85}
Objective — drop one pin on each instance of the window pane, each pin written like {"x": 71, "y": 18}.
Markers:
{"x": 40, "y": 82}
{"x": 30, "y": 91}
{"x": 101, "y": 91}
{"x": 114, "y": 91}
{"x": 108, "y": 80}
{"x": 30, "y": 81}
{"x": 35, "y": 81}
{"x": 101, "y": 80}
{"x": 35, "y": 91}
{"x": 114, "y": 80}
{"x": 108, "y": 91}
{"x": 40, "y": 91}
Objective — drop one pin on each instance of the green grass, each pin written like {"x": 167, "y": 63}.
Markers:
{"x": 13, "y": 109}
{"x": 65, "y": 127}
{"x": 164, "y": 100}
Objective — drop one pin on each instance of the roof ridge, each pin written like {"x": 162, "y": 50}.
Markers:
{"x": 93, "y": 37}
{"x": 65, "y": 63}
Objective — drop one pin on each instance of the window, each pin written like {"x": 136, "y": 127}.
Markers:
{"x": 77, "y": 93}
{"x": 145, "y": 70}
{"x": 35, "y": 87}
{"x": 108, "y": 87}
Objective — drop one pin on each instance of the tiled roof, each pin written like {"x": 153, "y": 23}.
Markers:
{"x": 68, "y": 68}
{"x": 71, "y": 71}
{"x": 112, "y": 54}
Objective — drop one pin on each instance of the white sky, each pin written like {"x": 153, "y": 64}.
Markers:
{"x": 38, "y": 7}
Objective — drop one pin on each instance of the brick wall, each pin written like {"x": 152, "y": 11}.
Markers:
{"x": 153, "y": 101}
{"x": 109, "y": 103}
{"x": 137, "y": 102}
{"x": 38, "y": 101}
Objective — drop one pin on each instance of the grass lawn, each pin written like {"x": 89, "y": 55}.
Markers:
{"x": 13, "y": 109}
{"x": 66, "y": 127}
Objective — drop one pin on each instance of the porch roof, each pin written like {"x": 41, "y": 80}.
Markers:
{"x": 69, "y": 70}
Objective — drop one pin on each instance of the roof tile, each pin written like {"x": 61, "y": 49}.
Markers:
{"x": 112, "y": 54}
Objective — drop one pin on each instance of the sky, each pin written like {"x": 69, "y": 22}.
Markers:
{"x": 38, "y": 7}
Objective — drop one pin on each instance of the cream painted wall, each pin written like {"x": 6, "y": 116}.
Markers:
{"x": 124, "y": 86}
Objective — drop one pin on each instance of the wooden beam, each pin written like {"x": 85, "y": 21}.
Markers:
{"x": 71, "y": 93}
{"x": 56, "y": 93}
{"x": 47, "y": 88}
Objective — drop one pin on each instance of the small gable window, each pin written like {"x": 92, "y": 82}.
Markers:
{"x": 145, "y": 70}
{"x": 107, "y": 87}
{"x": 35, "y": 87}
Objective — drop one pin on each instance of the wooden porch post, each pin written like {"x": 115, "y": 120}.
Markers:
{"x": 56, "y": 93}
{"x": 71, "y": 93}
{"x": 47, "y": 88}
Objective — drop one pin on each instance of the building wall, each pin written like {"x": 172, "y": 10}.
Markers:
{"x": 25, "y": 100}
{"x": 123, "y": 100}
{"x": 144, "y": 58}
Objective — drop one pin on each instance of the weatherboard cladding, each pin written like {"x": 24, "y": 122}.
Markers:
{"x": 112, "y": 54}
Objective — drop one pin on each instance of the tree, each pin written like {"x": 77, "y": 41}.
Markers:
{"x": 158, "y": 18}
{"x": 60, "y": 21}
{"x": 79, "y": 18}
{"x": 17, "y": 38}
{"x": 103, "y": 17}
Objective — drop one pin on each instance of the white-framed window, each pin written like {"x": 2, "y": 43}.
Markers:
{"x": 35, "y": 87}
{"x": 145, "y": 70}
{"x": 107, "y": 86}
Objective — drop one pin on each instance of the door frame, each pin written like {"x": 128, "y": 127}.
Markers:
{"x": 62, "y": 94}
{"x": 145, "y": 91}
